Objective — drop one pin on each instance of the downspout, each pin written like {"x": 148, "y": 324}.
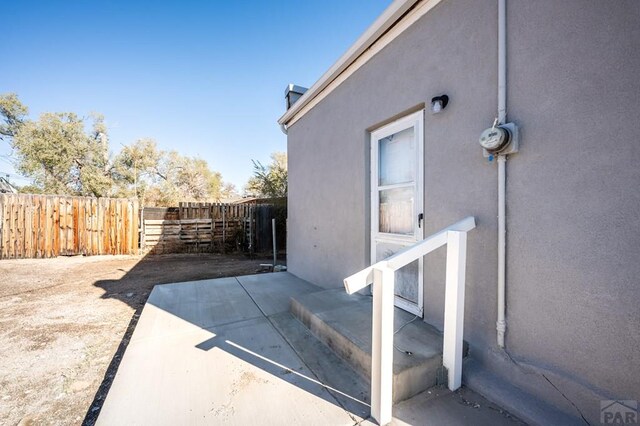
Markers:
{"x": 501, "y": 325}
{"x": 283, "y": 128}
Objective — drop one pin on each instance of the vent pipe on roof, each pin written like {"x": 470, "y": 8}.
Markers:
{"x": 291, "y": 94}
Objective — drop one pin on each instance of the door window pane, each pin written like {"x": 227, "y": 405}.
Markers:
{"x": 396, "y": 211}
{"x": 397, "y": 158}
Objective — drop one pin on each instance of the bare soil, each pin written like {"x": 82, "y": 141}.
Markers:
{"x": 65, "y": 323}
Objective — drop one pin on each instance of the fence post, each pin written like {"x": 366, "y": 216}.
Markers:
{"x": 212, "y": 230}
{"x": 224, "y": 228}
{"x": 251, "y": 231}
{"x": 273, "y": 237}
{"x": 141, "y": 236}
{"x": 454, "y": 307}
{"x": 2, "y": 204}
{"x": 382, "y": 345}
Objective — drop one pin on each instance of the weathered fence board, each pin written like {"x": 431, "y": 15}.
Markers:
{"x": 207, "y": 227}
{"x": 37, "y": 226}
{"x": 175, "y": 236}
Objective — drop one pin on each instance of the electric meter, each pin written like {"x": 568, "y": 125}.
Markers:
{"x": 501, "y": 139}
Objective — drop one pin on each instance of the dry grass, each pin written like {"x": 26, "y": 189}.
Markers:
{"x": 65, "y": 323}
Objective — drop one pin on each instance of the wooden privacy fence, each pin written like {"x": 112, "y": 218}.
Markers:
{"x": 218, "y": 211}
{"x": 175, "y": 236}
{"x": 207, "y": 227}
{"x": 47, "y": 226}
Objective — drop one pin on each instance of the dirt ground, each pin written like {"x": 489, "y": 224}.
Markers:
{"x": 65, "y": 323}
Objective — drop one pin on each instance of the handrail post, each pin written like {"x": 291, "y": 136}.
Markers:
{"x": 454, "y": 307}
{"x": 382, "y": 345}
{"x": 381, "y": 275}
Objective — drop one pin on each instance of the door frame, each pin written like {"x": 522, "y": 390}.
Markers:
{"x": 415, "y": 120}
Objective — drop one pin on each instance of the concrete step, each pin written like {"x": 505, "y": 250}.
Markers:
{"x": 343, "y": 322}
{"x": 347, "y": 387}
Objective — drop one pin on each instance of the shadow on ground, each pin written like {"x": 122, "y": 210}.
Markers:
{"x": 226, "y": 350}
{"x": 134, "y": 288}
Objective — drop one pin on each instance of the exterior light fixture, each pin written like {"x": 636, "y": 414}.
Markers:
{"x": 439, "y": 103}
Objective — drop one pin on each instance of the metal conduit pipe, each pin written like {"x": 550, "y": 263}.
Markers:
{"x": 501, "y": 325}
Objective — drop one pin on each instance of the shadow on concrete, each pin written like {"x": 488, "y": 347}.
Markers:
{"x": 269, "y": 359}
{"x": 135, "y": 287}
{"x": 247, "y": 317}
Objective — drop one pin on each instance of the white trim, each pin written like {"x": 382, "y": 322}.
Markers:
{"x": 382, "y": 32}
{"x": 415, "y": 121}
{"x": 407, "y": 305}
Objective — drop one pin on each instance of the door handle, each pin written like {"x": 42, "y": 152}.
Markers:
{"x": 420, "y": 218}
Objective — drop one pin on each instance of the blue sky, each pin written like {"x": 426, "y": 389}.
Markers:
{"x": 205, "y": 78}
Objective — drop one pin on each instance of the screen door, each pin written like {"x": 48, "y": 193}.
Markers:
{"x": 396, "y": 202}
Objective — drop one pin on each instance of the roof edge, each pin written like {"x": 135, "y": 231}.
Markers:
{"x": 382, "y": 24}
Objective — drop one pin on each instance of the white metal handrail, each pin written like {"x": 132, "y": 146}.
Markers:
{"x": 382, "y": 276}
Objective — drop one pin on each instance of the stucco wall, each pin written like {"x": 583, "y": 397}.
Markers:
{"x": 573, "y": 191}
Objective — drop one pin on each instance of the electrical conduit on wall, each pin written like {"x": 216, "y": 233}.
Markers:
{"x": 501, "y": 324}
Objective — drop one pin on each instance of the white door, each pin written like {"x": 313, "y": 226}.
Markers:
{"x": 396, "y": 201}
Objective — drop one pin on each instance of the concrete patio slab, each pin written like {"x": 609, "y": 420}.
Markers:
{"x": 174, "y": 308}
{"x": 204, "y": 353}
{"x": 234, "y": 371}
{"x": 272, "y": 292}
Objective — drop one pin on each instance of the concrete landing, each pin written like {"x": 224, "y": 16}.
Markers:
{"x": 441, "y": 407}
{"x": 343, "y": 322}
